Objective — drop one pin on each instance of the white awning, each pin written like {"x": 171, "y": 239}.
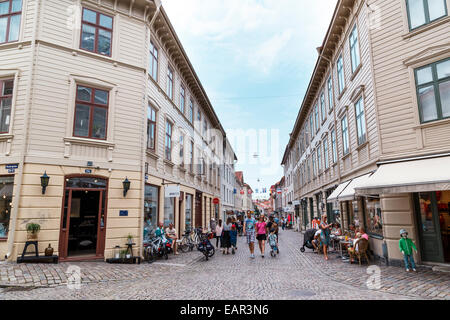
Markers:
{"x": 423, "y": 175}
{"x": 348, "y": 193}
{"x": 334, "y": 195}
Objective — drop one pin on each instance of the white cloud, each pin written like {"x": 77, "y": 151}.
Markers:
{"x": 267, "y": 53}
{"x": 259, "y": 33}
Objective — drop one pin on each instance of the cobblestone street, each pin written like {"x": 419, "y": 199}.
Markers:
{"x": 292, "y": 275}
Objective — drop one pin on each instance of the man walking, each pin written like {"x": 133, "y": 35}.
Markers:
{"x": 249, "y": 227}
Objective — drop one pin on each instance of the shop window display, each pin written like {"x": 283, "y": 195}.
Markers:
{"x": 374, "y": 220}
{"x": 6, "y": 191}
{"x": 150, "y": 210}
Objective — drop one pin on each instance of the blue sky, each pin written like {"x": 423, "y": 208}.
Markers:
{"x": 254, "y": 59}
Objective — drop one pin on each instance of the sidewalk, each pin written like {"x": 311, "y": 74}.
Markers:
{"x": 424, "y": 284}
{"x": 52, "y": 275}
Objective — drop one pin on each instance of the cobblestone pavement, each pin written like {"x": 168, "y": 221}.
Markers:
{"x": 291, "y": 275}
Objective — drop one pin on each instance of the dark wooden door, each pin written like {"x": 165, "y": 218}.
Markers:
{"x": 198, "y": 209}
{"x": 428, "y": 225}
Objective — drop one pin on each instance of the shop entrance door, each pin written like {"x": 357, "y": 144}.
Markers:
{"x": 198, "y": 210}
{"x": 83, "y": 221}
{"x": 429, "y": 228}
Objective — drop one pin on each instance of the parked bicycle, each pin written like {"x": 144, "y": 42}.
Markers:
{"x": 187, "y": 243}
{"x": 156, "y": 247}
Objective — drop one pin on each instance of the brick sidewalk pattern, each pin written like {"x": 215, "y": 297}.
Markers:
{"x": 292, "y": 275}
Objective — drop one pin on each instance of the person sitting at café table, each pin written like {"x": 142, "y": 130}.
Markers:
{"x": 352, "y": 230}
{"x": 360, "y": 235}
{"x": 171, "y": 234}
{"x": 316, "y": 240}
{"x": 336, "y": 230}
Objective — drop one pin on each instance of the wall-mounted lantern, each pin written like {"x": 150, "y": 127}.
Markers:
{"x": 126, "y": 186}
{"x": 44, "y": 182}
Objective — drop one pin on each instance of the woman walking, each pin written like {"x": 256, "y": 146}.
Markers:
{"x": 261, "y": 235}
{"x": 233, "y": 235}
{"x": 218, "y": 231}
{"x": 226, "y": 239}
{"x": 325, "y": 235}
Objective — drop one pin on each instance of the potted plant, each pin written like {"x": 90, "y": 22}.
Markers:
{"x": 130, "y": 238}
{"x": 123, "y": 254}
{"x": 32, "y": 231}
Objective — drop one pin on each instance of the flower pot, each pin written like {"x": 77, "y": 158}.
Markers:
{"x": 128, "y": 256}
{"x": 49, "y": 251}
{"x": 32, "y": 236}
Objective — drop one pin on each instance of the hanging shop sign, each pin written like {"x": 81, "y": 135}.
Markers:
{"x": 172, "y": 191}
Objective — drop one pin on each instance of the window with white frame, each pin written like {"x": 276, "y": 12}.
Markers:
{"x": 354, "y": 49}
{"x": 330, "y": 94}
{"x": 182, "y": 99}
{"x": 340, "y": 72}
{"x": 325, "y": 153}
{"x": 313, "y": 164}
{"x": 191, "y": 111}
{"x": 334, "y": 145}
{"x": 323, "y": 111}
{"x": 170, "y": 82}
{"x": 319, "y": 158}
{"x": 6, "y": 93}
{"x": 422, "y": 12}
{"x": 345, "y": 136}
{"x": 316, "y": 117}
{"x": 151, "y": 127}
{"x": 181, "y": 149}
{"x": 153, "y": 63}
{"x": 360, "y": 121}
{"x": 168, "y": 140}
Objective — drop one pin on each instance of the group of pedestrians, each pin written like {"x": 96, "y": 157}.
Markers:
{"x": 226, "y": 235}
{"x": 258, "y": 230}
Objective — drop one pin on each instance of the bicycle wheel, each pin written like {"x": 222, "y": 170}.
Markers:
{"x": 150, "y": 255}
{"x": 184, "y": 246}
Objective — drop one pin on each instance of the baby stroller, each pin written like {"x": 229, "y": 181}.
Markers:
{"x": 273, "y": 244}
{"x": 307, "y": 239}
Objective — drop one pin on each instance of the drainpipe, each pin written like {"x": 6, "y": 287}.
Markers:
{"x": 144, "y": 120}
{"x": 15, "y": 208}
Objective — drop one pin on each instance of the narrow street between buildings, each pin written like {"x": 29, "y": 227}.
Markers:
{"x": 291, "y": 275}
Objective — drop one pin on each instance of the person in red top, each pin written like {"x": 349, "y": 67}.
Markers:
{"x": 261, "y": 234}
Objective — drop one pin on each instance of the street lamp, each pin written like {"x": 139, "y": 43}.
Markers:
{"x": 126, "y": 186}
{"x": 44, "y": 182}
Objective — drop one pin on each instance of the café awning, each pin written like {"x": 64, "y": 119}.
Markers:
{"x": 422, "y": 175}
{"x": 334, "y": 195}
{"x": 348, "y": 193}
